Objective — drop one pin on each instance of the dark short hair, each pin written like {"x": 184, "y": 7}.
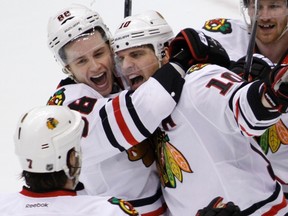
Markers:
{"x": 45, "y": 182}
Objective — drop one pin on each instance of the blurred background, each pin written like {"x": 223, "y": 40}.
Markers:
{"x": 29, "y": 72}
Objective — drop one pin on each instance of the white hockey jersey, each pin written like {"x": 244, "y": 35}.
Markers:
{"x": 113, "y": 165}
{"x": 207, "y": 151}
{"x": 274, "y": 143}
{"x": 234, "y": 37}
{"x": 231, "y": 33}
{"x": 62, "y": 203}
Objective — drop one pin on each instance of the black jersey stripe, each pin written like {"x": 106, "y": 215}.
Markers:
{"x": 248, "y": 123}
{"x": 108, "y": 131}
{"x": 142, "y": 129}
{"x": 254, "y": 100}
{"x": 260, "y": 204}
{"x": 147, "y": 200}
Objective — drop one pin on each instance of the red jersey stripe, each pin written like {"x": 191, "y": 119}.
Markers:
{"x": 121, "y": 123}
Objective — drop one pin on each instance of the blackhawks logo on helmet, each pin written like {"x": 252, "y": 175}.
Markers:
{"x": 52, "y": 123}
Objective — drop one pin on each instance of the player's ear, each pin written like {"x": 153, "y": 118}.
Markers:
{"x": 165, "y": 56}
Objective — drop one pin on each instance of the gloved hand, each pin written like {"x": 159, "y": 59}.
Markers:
{"x": 275, "y": 89}
{"x": 260, "y": 68}
{"x": 217, "y": 208}
{"x": 191, "y": 47}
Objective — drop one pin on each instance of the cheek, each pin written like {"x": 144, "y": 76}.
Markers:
{"x": 151, "y": 69}
{"x": 107, "y": 62}
{"x": 146, "y": 65}
{"x": 110, "y": 65}
{"x": 282, "y": 25}
{"x": 78, "y": 73}
{"x": 285, "y": 22}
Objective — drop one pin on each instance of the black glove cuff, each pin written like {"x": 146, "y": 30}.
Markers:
{"x": 254, "y": 98}
{"x": 172, "y": 82}
{"x": 183, "y": 59}
{"x": 275, "y": 100}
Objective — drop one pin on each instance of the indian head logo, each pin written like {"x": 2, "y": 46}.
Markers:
{"x": 218, "y": 25}
{"x": 142, "y": 151}
{"x": 196, "y": 67}
{"x": 58, "y": 98}
{"x": 52, "y": 123}
{"x": 124, "y": 206}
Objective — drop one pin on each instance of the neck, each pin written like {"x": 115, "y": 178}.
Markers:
{"x": 70, "y": 184}
{"x": 274, "y": 50}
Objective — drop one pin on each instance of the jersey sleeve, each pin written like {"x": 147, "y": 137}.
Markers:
{"x": 230, "y": 102}
{"x": 233, "y": 35}
{"x": 113, "y": 125}
{"x": 133, "y": 116}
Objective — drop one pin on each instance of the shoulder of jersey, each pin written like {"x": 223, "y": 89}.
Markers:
{"x": 224, "y": 26}
{"x": 72, "y": 92}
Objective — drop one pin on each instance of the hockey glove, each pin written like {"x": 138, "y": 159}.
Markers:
{"x": 260, "y": 68}
{"x": 275, "y": 89}
{"x": 217, "y": 208}
{"x": 191, "y": 47}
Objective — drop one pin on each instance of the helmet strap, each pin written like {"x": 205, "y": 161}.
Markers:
{"x": 66, "y": 71}
{"x": 283, "y": 32}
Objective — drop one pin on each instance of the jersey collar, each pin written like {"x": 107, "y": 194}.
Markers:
{"x": 26, "y": 192}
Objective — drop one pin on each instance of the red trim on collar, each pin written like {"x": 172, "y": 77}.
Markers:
{"x": 26, "y": 192}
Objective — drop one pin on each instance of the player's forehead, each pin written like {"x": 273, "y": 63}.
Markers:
{"x": 268, "y": 1}
{"x": 136, "y": 50}
{"x": 86, "y": 43}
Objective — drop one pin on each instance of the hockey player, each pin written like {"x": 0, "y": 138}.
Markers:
{"x": 206, "y": 148}
{"x": 112, "y": 127}
{"x": 271, "y": 30}
{"x": 141, "y": 46}
{"x": 47, "y": 143}
{"x": 225, "y": 161}
{"x": 271, "y": 41}
{"x": 112, "y": 162}
{"x": 138, "y": 56}
{"x": 66, "y": 46}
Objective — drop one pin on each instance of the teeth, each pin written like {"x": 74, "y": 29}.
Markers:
{"x": 132, "y": 76}
{"x": 97, "y": 76}
{"x": 266, "y": 26}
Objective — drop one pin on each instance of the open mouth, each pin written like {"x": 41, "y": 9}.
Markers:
{"x": 136, "y": 81}
{"x": 99, "y": 79}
